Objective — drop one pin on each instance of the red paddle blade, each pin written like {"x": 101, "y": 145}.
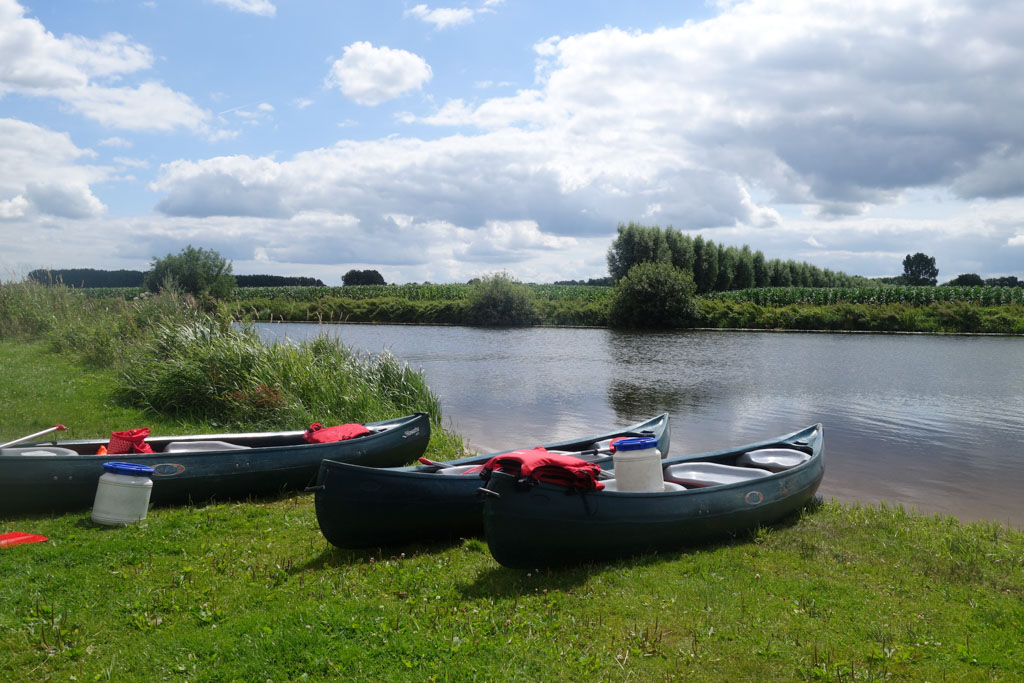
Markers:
{"x": 18, "y": 537}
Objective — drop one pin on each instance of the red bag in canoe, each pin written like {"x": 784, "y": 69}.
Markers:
{"x": 317, "y": 433}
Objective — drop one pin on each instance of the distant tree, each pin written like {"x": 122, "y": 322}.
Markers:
{"x": 680, "y": 247}
{"x": 1010, "y": 281}
{"x": 200, "y": 272}
{"x": 591, "y": 282}
{"x": 920, "y": 269}
{"x": 966, "y": 280}
{"x": 277, "y": 281}
{"x": 635, "y": 244}
{"x": 705, "y": 264}
{"x": 362, "y": 277}
{"x": 87, "y": 277}
{"x": 743, "y": 274}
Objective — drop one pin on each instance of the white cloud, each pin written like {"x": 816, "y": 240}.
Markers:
{"x": 1016, "y": 241}
{"x": 263, "y": 8}
{"x": 77, "y": 70}
{"x": 442, "y": 17}
{"x": 371, "y": 75}
{"x": 115, "y": 142}
{"x": 39, "y": 174}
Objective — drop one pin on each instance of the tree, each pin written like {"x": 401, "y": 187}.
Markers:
{"x": 920, "y": 269}
{"x": 654, "y": 295}
{"x": 362, "y": 277}
{"x": 499, "y": 300}
{"x": 200, "y": 272}
{"x": 967, "y": 280}
{"x": 680, "y": 247}
{"x": 636, "y": 244}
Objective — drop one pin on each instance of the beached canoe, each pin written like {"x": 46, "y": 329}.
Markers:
{"x": 360, "y": 507}
{"x": 531, "y": 524}
{"x": 59, "y": 476}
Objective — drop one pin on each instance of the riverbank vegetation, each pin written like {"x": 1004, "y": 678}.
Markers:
{"x": 171, "y": 359}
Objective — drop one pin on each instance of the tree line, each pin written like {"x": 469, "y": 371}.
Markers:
{"x": 91, "y": 278}
{"x": 715, "y": 267}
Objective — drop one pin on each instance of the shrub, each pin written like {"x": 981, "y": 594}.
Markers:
{"x": 499, "y": 300}
{"x": 199, "y": 272}
{"x": 654, "y": 295}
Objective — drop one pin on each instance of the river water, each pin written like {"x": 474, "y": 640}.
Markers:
{"x": 933, "y": 423}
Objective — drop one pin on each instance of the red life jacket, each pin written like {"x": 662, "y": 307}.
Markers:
{"x": 554, "y": 468}
{"x": 317, "y": 433}
{"x": 129, "y": 441}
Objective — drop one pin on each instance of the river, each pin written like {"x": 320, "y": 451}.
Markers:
{"x": 930, "y": 422}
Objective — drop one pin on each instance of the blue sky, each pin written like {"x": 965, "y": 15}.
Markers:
{"x": 441, "y": 142}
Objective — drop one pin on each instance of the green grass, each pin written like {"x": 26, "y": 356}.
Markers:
{"x": 252, "y": 591}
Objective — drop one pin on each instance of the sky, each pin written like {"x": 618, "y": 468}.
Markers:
{"x": 443, "y": 142}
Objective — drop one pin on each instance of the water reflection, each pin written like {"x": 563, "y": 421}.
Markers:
{"x": 931, "y": 422}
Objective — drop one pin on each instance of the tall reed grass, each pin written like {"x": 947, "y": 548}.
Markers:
{"x": 176, "y": 360}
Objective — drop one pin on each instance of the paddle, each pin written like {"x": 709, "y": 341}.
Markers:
{"x": 54, "y": 428}
{"x": 17, "y": 537}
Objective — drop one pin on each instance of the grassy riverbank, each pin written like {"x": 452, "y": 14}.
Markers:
{"x": 252, "y": 591}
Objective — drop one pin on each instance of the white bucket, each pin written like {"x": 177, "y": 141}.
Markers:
{"x": 638, "y": 465}
{"x": 122, "y": 495}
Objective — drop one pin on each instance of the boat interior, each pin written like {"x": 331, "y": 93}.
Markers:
{"x": 209, "y": 443}
{"x": 727, "y": 469}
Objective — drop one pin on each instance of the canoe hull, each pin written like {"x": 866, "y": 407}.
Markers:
{"x": 360, "y": 507}
{"x": 273, "y": 463}
{"x": 532, "y": 526}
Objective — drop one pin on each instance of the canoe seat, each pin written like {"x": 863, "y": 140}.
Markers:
{"x": 773, "y": 459}
{"x": 461, "y": 469}
{"x": 612, "y": 485}
{"x": 201, "y": 446}
{"x": 37, "y": 451}
{"x": 711, "y": 474}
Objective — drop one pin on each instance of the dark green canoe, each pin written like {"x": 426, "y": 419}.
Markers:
{"x": 62, "y": 475}
{"x": 360, "y": 507}
{"x": 530, "y": 524}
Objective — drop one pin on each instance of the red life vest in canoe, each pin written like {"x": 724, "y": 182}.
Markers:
{"x": 317, "y": 433}
{"x": 553, "y": 468}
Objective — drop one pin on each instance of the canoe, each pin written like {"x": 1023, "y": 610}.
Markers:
{"x": 360, "y": 507}
{"x": 59, "y": 476}
{"x": 530, "y": 524}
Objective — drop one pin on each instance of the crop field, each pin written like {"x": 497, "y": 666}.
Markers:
{"x": 412, "y": 292}
{"x": 916, "y": 296}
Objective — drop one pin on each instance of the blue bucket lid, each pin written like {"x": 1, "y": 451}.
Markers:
{"x": 130, "y": 468}
{"x": 638, "y": 443}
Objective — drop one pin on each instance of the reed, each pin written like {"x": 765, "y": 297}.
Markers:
{"x": 175, "y": 360}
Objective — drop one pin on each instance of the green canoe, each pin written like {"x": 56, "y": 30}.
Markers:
{"x": 360, "y": 507}
{"x": 531, "y": 524}
{"x": 58, "y": 476}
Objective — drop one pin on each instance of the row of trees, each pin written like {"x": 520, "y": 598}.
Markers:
{"x": 715, "y": 267}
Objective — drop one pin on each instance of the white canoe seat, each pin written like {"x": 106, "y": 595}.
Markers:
{"x": 37, "y": 451}
{"x": 612, "y": 485}
{"x": 201, "y": 446}
{"x": 461, "y": 470}
{"x": 773, "y": 459}
{"x": 711, "y": 474}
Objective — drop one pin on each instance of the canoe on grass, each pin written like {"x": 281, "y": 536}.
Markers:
{"x": 359, "y": 507}
{"x": 59, "y": 476}
{"x": 531, "y": 524}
